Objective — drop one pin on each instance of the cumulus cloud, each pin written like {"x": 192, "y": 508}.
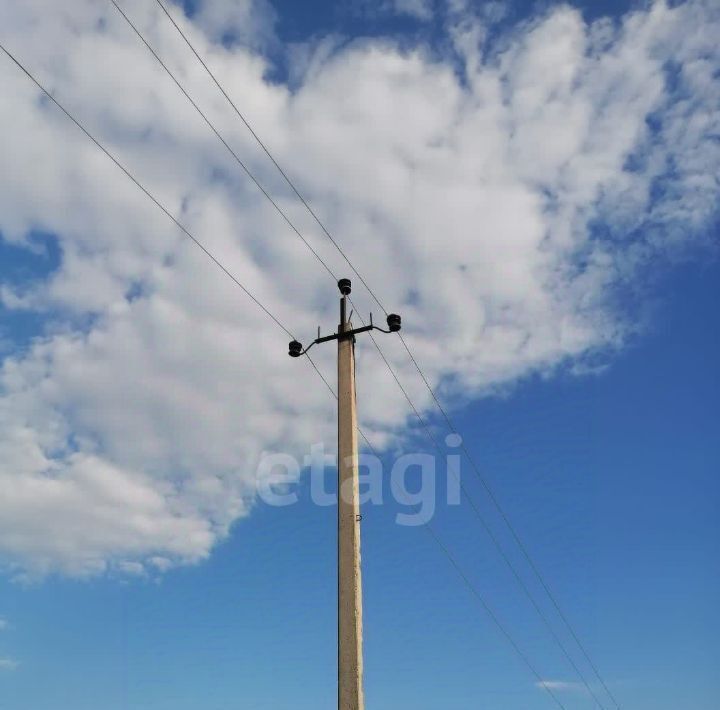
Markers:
{"x": 497, "y": 198}
{"x": 8, "y": 664}
{"x": 422, "y": 9}
{"x": 249, "y": 22}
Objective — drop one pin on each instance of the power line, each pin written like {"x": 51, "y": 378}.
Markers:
{"x": 492, "y": 536}
{"x": 523, "y": 549}
{"x": 334, "y": 395}
{"x": 267, "y": 151}
{"x": 541, "y": 683}
{"x": 237, "y": 158}
{"x": 454, "y": 563}
{"x": 160, "y": 206}
{"x": 466, "y": 580}
{"x": 479, "y": 597}
{"x": 148, "y": 194}
{"x": 484, "y": 482}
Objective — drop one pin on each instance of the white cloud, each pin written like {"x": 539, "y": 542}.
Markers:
{"x": 421, "y": 9}
{"x": 3, "y": 624}
{"x": 250, "y": 22}
{"x": 8, "y": 664}
{"x": 562, "y": 686}
{"x": 129, "y": 431}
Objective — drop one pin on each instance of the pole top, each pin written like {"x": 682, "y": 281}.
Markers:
{"x": 345, "y": 329}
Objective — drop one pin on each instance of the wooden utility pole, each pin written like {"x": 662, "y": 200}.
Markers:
{"x": 350, "y": 636}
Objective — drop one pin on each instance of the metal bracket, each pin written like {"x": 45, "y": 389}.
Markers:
{"x": 393, "y": 320}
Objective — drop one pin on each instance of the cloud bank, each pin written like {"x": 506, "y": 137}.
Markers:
{"x": 498, "y": 196}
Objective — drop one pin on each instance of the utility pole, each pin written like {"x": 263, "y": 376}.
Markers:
{"x": 350, "y": 642}
{"x": 350, "y": 636}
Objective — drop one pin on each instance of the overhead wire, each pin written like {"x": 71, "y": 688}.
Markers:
{"x": 372, "y": 293}
{"x": 395, "y": 377}
{"x": 214, "y": 259}
{"x": 485, "y": 605}
{"x": 495, "y": 541}
{"x": 210, "y": 124}
{"x": 145, "y": 191}
{"x": 521, "y": 546}
{"x": 260, "y": 142}
{"x": 229, "y": 148}
{"x": 157, "y": 203}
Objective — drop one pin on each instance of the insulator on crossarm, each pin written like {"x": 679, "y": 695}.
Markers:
{"x": 394, "y": 322}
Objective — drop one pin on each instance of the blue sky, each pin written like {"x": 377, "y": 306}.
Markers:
{"x": 138, "y": 394}
{"x": 612, "y": 479}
